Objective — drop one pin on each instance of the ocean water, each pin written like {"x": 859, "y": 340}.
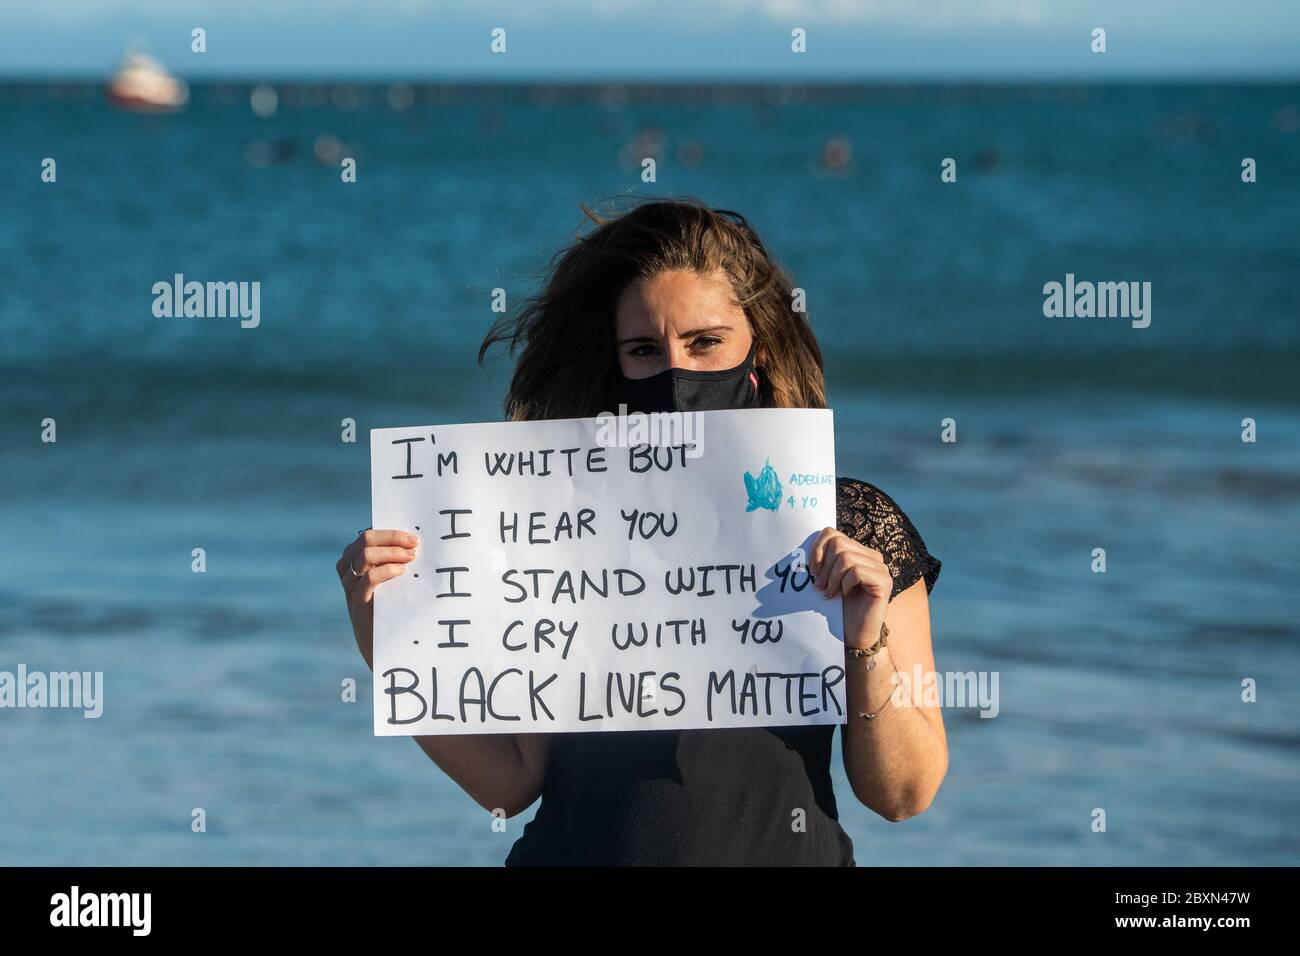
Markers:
{"x": 1119, "y": 690}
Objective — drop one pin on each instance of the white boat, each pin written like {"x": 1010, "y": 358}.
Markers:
{"x": 143, "y": 85}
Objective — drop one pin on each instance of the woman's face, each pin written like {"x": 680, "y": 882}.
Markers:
{"x": 680, "y": 319}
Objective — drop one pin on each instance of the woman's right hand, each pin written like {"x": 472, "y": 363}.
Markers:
{"x": 373, "y": 558}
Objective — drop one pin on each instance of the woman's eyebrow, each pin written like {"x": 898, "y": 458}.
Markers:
{"x": 690, "y": 333}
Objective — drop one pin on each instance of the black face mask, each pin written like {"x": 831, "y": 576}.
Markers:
{"x": 685, "y": 390}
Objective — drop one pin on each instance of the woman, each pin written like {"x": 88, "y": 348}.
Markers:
{"x": 677, "y": 307}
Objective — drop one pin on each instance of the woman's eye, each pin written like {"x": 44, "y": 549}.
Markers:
{"x": 705, "y": 343}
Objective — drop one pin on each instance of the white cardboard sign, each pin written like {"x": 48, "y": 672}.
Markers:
{"x": 633, "y": 573}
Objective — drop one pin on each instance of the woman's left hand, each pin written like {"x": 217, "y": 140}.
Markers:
{"x": 841, "y": 565}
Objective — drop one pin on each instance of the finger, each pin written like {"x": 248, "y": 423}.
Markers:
{"x": 379, "y": 575}
{"x": 817, "y": 552}
{"x": 350, "y": 564}
{"x": 870, "y": 552}
{"x": 860, "y": 552}
{"x": 836, "y": 545}
{"x": 858, "y": 576}
{"x": 835, "y": 572}
{"x": 374, "y": 557}
{"x": 370, "y": 538}
{"x": 390, "y": 539}
{"x": 355, "y": 547}
{"x": 362, "y": 590}
{"x": 341, "y": 565}
{"x": 867, "y": 557}
{"x": 871, "y": 579}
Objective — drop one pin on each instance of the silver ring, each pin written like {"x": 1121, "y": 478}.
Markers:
{"x": 355, "y": 572}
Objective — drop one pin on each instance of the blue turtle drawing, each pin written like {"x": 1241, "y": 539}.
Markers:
{"x": 765, "y": 490}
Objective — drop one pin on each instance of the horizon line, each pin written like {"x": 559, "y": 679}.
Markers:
{"x": 709, "y": 79}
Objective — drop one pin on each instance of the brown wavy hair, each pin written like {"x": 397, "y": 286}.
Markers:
{"x": 568, "y": 361}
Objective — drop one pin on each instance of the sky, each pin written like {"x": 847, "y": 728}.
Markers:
{"x": 670, "y": 39}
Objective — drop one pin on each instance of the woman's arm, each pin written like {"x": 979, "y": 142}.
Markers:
{"x": 500, "y": 771}
{"x": 896, "y": 761}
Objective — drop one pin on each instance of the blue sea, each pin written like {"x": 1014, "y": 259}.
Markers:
{"x": 1120, "y": 691}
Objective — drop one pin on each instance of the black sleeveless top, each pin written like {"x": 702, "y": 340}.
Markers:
{"x": 713, "y": 797}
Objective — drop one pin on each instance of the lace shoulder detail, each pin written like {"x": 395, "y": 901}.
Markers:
{"x": 869, "y": 516}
